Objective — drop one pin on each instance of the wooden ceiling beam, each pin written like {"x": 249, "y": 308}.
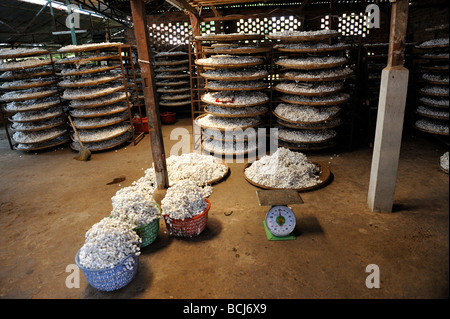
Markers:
{"x": 183, "y": 5}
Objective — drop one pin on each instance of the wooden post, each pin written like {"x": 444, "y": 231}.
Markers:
{"x": 391, "y": 110}
{"x": 145, "y": 55}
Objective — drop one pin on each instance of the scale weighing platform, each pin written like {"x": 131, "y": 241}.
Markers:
{"x": 279, "y": 222}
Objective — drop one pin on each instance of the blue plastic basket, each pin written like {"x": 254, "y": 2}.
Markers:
{"x": 112, "y": 278}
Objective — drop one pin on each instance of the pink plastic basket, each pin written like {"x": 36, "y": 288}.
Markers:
{"x": 188, "y": 227}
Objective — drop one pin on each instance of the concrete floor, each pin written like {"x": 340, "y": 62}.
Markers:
{"x": 49, "y": 200}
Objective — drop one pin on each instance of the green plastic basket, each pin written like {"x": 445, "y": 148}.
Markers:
{"x": 148, "y": 233}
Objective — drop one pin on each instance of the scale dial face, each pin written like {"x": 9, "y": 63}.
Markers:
{"x": 280, "y": 220}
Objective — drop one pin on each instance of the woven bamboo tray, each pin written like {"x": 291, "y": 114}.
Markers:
{"x": 308, "y": 93}
{"x": 229, "y": 37}
{"x": 324, "y": 176}
{"x": 302, "y": 122}
{"x": 86, "y": 59}
{"x": 436, "y": 117}
{"x": 249, "y": 50}
{"x": 27, "y": 74}
{"x": 224, "y": 139}
{"x": 345, "y": 98}
{"x": 422, "y": 91}
{"x": 171, "y": 83}
{"x": 174, "y": 103}
{"x": 173, "y": 90}
{"x": 27, "y": 85}
{"x": 44, "y": 116}
{"x": 234, "y": 105}
{"x": 308, "y": 143}
{"x": 228, "y": 66}
{"x": 430, "y": 131}
{"x": 312, "y": 66}
{"x": 14, "y": 53}
{"x": 103, "y": 145}
{"x": 222, "y": 129}
{"x": 318, "y": 79}
{"x": 223, "y": 153}
{"x": 44, "y": 126}
{"x": 15, "y": 66}
{"x": 85, "y": 104}
{"x": 101, "y": 111}
{"x": 85, "y": 126}
{"x": 40, "y": 146}
{"x": 165, "y": 55}
{"x": 101, "y": 139}
{"x": 306, "y": 126}
{"x": 83, "y": 83}
{"x": 234, "y": 78}
{"x": 175, "y": 97}
{"x": 169, "y": 63}
{"x": 263, "y": 86}
{"x": 96, "y": 69}
{"x": 172, "y": 76}
{"x": 88, "y": 47}
{"x": 236, "y": 115}
{"x": 436, "y": 82}
{"x": 313, "y": 50}
{"x": 308, "y": 147}
{"x": 28, "y": 96}
{"x": 43, "y": 140}
{"x": 436, "y": 105}
{"x": 94, "y": 94}
{"x": 33, "y": 107}
{"x": 176, "y": 69}
{"x": 301, "y": 38}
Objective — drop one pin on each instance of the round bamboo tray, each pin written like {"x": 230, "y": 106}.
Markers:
{"x": 175, "y": 97}
{"x": 230, "y": 37}
{"x": 176, "y": 69}
{"x": 170, "y": 54}
{"x": 174, "y": 103}
{"x": 168, "y": 63}
{"x": 312, "y": 66}
{"x": 324, "y": 176}
{"x": 173, "y": 90}
{"x": 27, "y": 74}
{"x": 262, "y": 86}
{"x": 234, "y": 105}
{"x": 317, "y": 79}
{"x": 27, "y": 84}
{"x": 172, "y": 76}
{"x": 436, "y": 105}
{"x": 424, "y": 92}
{"x": 227, "y": 65}
{"x": 87, "y": 104}
{"x": 337, "y": 90}
{"x": 224, "y": 139}
{"x": 40, "y": 146}
{"x": 307, "y": 143}
{"x": 95, "y": 93}
{"x": 228, "y": 152}
{"x": 234, "y": 78}
{"x": 430, "y": 131}
{"x": 24, "y": 96}
{"x": 123, "y": 129}
{"x": 83, "y": 83}
{"x": 43, "y": 139}
{"x": 237, "y": 50}
{"x": 103, "y": 145}
{"x": 42, "y": 117}
{"x": 101, "y": 111}
{"x": 222, "y": 129}
{"x": 16, "y": 66}
{"x": 96, "y": 69}
{"x": 86, "y": 59}
{"x": 32, "y": 107}
{"x": 171, "y": 83}
{"x": 300, "y": 126}
{"x": 88, "y": 47}
{"x": 21, "y": 53}
{"x": 236, "y": 115}
{"x": 312, "y": 50}
{"x": 431, "y": 116}
{"x": 308, "y": 147}
{"x": 302, "y": 37}
{"x": 436, "y": 68}
{"x": 302, "y": 122}
{"x": 45, "y": 125}
{"x": 438, "y": 57}
{"x": 344, "y": 97}
{"x": 80, "y": 126}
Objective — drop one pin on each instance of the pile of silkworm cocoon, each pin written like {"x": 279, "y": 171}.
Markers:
{"x": 107, "y": 243}
{"x": 184, "y": 200}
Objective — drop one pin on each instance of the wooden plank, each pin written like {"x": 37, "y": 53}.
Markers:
{"x": 399, "y": 24}
{"x": 145, "y": 55}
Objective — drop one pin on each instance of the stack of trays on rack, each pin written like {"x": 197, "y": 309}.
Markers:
{"x": 235, "y": 100}
{"x": 172, "y": 80}
{"x": 93, "y": 84}
{"x": 433, "y": 106}
{"x": 311, "y": 88}
{"x": 32, "y": 99}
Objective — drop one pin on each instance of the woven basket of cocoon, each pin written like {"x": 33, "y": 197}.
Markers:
{"x": 148, "y": 233}
{"x": 188, "y": 227}
{"x": 111, "y": 278}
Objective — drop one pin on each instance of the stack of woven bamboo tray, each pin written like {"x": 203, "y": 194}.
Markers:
{"x": 94, "y": 85}
{"x": 433, "y": 106}
{"x": 236, "y": 101}
{"x": 32, "y": 99}
{"x": 312, "y": 72}
{"x": 172, "y": 80}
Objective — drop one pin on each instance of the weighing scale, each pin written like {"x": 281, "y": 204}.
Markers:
{"x": 279, "y": 222}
